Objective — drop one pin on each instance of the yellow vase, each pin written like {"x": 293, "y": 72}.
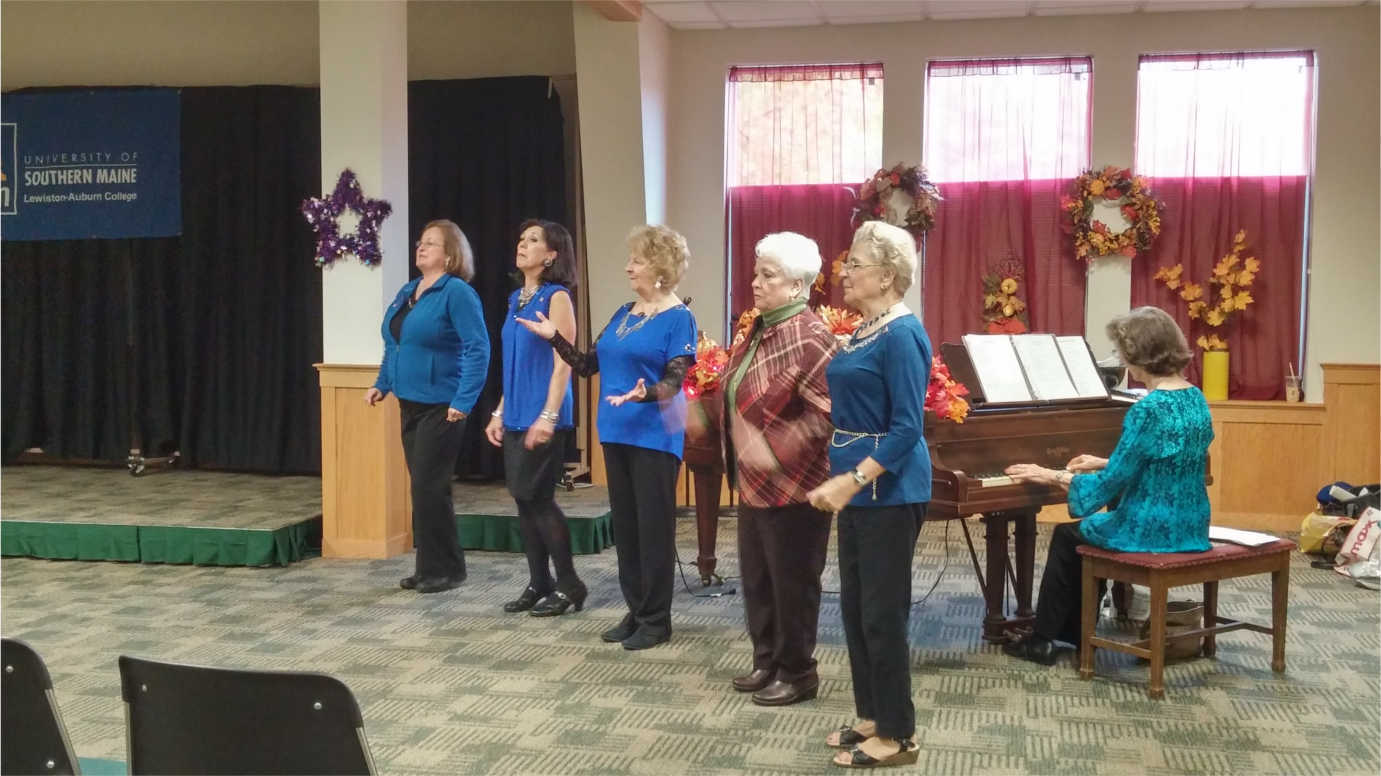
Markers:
{"x": 1215, "y": 375}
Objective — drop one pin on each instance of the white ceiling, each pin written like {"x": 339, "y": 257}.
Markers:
{"x": 721, "y": 14}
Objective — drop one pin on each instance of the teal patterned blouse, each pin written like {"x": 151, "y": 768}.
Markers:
{"x": 1154, "y": 480}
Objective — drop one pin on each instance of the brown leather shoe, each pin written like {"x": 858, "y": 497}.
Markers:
{"x": 784, "y": 693}
{"x": 754, "y": 680}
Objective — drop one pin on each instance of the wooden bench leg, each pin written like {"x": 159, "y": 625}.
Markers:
{"x": 1088, "y": 620}
{"x": 1210, "y": 617}
{"x": 1159, "y": 594}
{"x": 1280, "y": 593}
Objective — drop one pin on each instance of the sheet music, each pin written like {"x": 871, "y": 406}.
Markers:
{"x": 998, "y": 368}
{"x": 1088, "y": 384}
{"x": 1218, "y": 533}
{"x": 1045, "y": 367}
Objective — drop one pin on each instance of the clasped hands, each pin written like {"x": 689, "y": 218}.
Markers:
{"x": 1030, "y": 472}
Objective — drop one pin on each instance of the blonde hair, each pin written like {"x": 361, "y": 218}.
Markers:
{"x": 460, "y": 258}
{"x": 798, "y": 255}
{"x": 1148, "y": 338}
{"x": 664, "y": 249}
{"x": 893, "y": 247}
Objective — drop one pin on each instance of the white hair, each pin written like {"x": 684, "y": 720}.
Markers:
{"x": 891, "y": 246}
{"x": 798, "y": 255}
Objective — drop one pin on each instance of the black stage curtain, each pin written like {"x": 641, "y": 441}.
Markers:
{"x": 486, "y": 153}
{"x": 221, "y": 325}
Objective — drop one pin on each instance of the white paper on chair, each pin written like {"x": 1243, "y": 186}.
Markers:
{"x": 997, "y": 367}
{"x": 1088, "y": 384}
{"x": 1217, "y": 533}
{"x": 1045, "y": 367}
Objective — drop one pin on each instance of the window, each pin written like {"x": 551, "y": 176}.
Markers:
{"x": 804, "y": 124}
{"x": 1227, "y": 142}
{"x": 795, "y": 137}
{"x": 1007, "y": 119}
{"x": 1003, "y": 139}
{"x": 1209, "y": 115}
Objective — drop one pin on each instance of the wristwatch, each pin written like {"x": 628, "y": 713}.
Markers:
{"x": 859, "y": 477}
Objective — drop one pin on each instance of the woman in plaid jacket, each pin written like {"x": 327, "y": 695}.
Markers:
{"x": 777, "y": 450}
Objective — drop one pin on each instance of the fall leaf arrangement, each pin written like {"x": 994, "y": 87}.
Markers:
{"x": 1225, "y": 293}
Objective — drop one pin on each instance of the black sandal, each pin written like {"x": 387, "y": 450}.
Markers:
{"x": 907, "y": 755}
{"x": 848, "y": 738}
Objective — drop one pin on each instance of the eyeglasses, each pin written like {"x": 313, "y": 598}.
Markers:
{"x": 853, "y": 266}
{"x": 421, "y": 243}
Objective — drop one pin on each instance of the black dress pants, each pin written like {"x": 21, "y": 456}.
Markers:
{"x": 781, "y": 554}
{"x": 875, "y": 549}
{"x": 431, "y": 445}
{"x": 642, "y": 505}
{"x": 1059, "y": 605}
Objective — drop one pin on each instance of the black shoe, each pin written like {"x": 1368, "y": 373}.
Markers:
{"x": 523, "y": 602}
{"x": 644, "y": 638}
{"x": 619, "y": 632}
{"x": 438, "y": 584}
{"x": 786, "y": 693}
{"x": 907, "y": 755}
{"x": 559, "y": 603}
{"x": 408, "y": 583}
{"x": 754, "y": 680}
{"x": 1036, "y": 648}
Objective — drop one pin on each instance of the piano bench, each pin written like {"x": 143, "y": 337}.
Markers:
{"x": 1162, "y": 571}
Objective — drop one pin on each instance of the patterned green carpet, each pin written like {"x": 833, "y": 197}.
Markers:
{"x": 451, "y": 685}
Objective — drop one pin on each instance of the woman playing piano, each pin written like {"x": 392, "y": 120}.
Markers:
{"x": 1154, "y": 479}
{"x": 880, "y": 489}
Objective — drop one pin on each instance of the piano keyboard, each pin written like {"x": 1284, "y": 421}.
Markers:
{"x": 993, "y": 480}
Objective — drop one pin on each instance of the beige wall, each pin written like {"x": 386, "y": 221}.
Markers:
{"x": 110, "y": 43}
{"x": 1343, "y": 318}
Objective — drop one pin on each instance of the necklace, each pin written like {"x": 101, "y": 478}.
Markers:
{"x": 624, "y": 329}
{"x": 862, "y": 327}
{"x": 858, "y": 339}
{"x": 525, "y": 296}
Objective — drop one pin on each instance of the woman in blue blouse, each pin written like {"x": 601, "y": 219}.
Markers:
{"x": 880, "y": 489}
{"x": 1153, "y": 481}
{"x": 436, "y": 355}
{"x": 642, "y": 356}
{"x": 533, "y": 422}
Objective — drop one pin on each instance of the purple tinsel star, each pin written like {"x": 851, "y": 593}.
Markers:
{"x": 323, "y": 213}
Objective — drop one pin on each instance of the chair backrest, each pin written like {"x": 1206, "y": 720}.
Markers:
{"x": 32, "y": 738}
{"x": 195, "y": 719}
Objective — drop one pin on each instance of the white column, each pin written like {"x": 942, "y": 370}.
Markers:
{"x": 364, "y": 127}
{"x": 1109, "y": 290}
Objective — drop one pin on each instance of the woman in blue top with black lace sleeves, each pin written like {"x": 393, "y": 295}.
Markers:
{"x": 1152, "y": 484}
{"x": 642, "y": 356}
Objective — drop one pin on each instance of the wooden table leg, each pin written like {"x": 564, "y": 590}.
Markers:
{"x": 1280, "y": 593}
{"x": 1159, "y": 593}
{"x": 995, "y": 589}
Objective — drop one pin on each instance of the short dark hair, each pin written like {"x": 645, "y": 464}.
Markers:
{"x": 1148, "y": 338}
{"x": 562, "y": 269}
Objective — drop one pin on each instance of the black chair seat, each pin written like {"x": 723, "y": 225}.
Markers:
{"x": 32, "y": 737}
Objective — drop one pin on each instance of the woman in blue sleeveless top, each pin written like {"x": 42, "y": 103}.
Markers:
{"x": 533, "y": 422}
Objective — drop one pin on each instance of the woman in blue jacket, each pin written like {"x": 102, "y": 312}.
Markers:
{"x": 436, "y": 354}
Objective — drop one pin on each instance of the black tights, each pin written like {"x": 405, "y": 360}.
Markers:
{"x": 546, "y": 536}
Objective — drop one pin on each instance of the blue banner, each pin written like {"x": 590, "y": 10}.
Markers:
{"x": 78, "y": 165}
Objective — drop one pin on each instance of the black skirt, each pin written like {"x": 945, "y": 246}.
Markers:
{"x": 531, "y": 475}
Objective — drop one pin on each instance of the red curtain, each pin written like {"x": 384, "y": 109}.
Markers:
{"x": 1003, "y": 139}
{"x": 1226, "y": 142}
{"x": 819, "y": 211}
{"x": 981, "y": 225}
{"x": 1201, "y": 216}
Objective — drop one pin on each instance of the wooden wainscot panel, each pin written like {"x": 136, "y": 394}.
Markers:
{"x": 365, "y": 503}
{"x": 1352, "y": 435}
{"x": 1266, "y": 463}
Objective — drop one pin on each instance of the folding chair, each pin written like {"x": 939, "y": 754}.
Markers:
{"x": 32, "y": 737}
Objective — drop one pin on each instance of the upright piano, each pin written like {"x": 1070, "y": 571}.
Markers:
{"x": 967, "y": 461}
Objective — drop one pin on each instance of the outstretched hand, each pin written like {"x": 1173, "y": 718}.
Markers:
{"x": 1086, "y": 463}
{"x": 541, "y": 327}
{"x": 638, "y": 393}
